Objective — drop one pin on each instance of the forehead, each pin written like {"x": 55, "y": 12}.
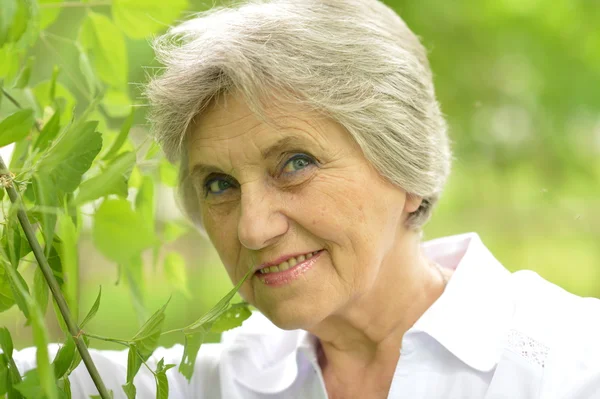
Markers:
{"x": 229, "y": 121}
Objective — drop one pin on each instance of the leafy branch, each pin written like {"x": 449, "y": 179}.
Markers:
{"x": 74, "y": 330}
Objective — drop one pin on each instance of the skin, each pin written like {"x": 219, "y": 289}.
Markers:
{"x": 371, "y": 282}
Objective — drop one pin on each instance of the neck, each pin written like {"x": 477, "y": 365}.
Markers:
{"x": 367, "y": 333}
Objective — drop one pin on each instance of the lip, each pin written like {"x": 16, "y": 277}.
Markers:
{"x": 283, "y": 258}
{"x": 277, "y": 279}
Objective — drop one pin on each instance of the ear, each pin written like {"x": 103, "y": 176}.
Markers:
{"x": 412, "y": 203}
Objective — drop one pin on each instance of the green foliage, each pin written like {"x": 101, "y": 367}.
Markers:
{"x": 73, "y": 159}
{"x": 141, "y": 18}
{"x": 176, "y": 272}
{"x": 15, "y": 127}
{"x": 93, "y": 310}
{"x": 105, "y": 42}
{"x": 162, "y": 384}
{"x": 119, "y": 232}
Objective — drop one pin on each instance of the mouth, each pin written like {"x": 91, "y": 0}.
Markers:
{"x": 286, "y": 264}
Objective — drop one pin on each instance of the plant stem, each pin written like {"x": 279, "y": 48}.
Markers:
{"x": 101, "y": 338}
{"x": 12, "y": 99}
{"x": 54, "y": 287}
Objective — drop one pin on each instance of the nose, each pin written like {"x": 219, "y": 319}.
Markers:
{"x": 261, "y": 222}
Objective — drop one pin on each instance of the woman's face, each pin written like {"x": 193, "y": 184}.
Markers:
{"x": 269, "y": 195}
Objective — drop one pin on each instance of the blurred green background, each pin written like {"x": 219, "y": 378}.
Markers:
{"x": 519, "y": 82}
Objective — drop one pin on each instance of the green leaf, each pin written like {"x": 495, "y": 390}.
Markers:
{"x": 134, "y": 278}
{"x": 64, "y": 386}
{"x": 93, "y": 310}
{"x": 54, "y": 95}
{"x": 47, "y": 199}
{"x": 213, "y": 314}
{"x": 146, "y": 339}
{"x": 104, "y": 41}
{"x": 13, "y": 20}
{"x": 40, "y": 338}
{"x": 190, "y": 352}
{"x": 9, "y": 62}
{"x": 176, "y": 272}
{"x": 54, "y": 260}
{"x": 120, "y": 233}
{"x": 152, "y": 151}
{"x": 64, "y": 357}
{"x": 145, "y": 342}
{"x": 69, "y": 260}
{"x": 162, "y": 382}
{"x": 145, "y": 204}
{"x": 11, "y": 377}
{"x": 16, "y": 126}
{"x": 71, "y": 155}
{"x": 122, "y": 137}
{"x": 87, "y": 71}
{"x": 134, "y": 362}
{"x": 195, "y": 332}
{"x": 112, "y": 180}
{"x": 4, "y": 375}
{"x": 168, "y": 173}
{"x": 6, "y": 342}
{"x": 40, "y": 290}
{"x": 116, "y": 103}
{"x": 232, "y": 318}
{"x": 141, "y": 18}
{"x": 11, "y": 239}
{"x": 49, "y": 132}
{"x": 49, "y": 14}
{"x": 173, "y": 230}
{"x": 16, "y": 281}
{"x": 25, "y": 74}
{"x": 20, "y": 156}
{"x": 130, "y": 390}
{"x": 31, "y": 387}
{"x": 9, "y": 9}
{"x": 20, "y": 20}
{"x": 7, "y": 299}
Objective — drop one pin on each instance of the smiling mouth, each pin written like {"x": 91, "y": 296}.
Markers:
{"x": 291, "y": 262}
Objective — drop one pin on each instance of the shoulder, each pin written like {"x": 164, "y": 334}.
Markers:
{"x": 551, "y": 313}
{"x": 561, "y": 330}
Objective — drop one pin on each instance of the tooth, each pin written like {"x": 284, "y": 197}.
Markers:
{"x": 293, "y": 262}
{"x": 284, "y": 266}
{"x": 301, "y": 258}
{"x": 273, "y": 269}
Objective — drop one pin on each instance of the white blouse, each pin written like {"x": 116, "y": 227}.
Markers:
{"x": 491, "y": 335}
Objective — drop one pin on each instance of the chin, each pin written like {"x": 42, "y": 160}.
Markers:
{"x": 294, "y": 319}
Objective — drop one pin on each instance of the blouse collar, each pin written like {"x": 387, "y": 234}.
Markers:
{"x": 468, "y": 319}
{"x": 473, "y": 313}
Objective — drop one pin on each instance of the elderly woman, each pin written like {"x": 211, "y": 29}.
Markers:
{"x": 312, "y": 150}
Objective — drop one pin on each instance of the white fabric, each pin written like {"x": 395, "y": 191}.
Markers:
{"x": 491, "y": 335}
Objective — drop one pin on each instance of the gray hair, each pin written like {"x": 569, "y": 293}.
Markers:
{"x": 354, "y": 61}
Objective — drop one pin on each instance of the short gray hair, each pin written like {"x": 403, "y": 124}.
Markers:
{"x": 354, "y": 61}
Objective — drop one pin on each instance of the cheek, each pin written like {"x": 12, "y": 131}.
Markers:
{"x": 222, "y": 232}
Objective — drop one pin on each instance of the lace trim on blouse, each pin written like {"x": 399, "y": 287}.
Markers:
{"x": 530, "y": 349}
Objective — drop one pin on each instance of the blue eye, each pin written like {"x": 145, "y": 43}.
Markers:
{"x": 297, "y": 163}
{"x": 217, "y": 186}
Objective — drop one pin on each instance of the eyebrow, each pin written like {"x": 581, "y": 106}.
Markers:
{"x": 281, "y": 145}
